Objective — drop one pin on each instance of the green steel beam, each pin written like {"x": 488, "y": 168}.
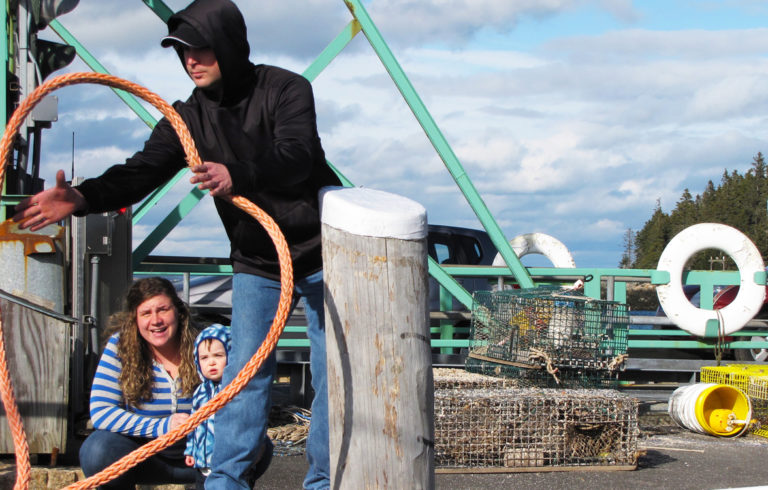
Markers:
{"x": 4, "y": 63}
{"x": 164, "y": 12}
{"x": 344, "y": 180}
{"x": 160, "y": 8}
{"x": 669, "y": 332}
{"x": 448, "y": 282}
{"x": 439, "y": 142}
{"x": 332, "y": 50}
{"x": 321, "y": 63}
{"x": 694, "y": 344}
{"x": 446, "y": 326}
{"x": 4, "y": 83}
{"x": 166, "y": 226}
{"x": 173, "y": 269}
{"x": 94, "y": 65}
{"x": 156, "y": 195}
{"x": 689, "y": 277}
{"x": 11, "y": 199}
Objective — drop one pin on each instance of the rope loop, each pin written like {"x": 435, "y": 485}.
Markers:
{"x": 252, "y": 366}
{"x": 539, "y": 354}
{"x": 719, "y": 343}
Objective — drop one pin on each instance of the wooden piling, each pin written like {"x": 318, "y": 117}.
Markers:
{"x": 377, "y": 331}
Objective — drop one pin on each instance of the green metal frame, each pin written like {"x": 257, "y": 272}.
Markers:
{"x": 445, "y": 276}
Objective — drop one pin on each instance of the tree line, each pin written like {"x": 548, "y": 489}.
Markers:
{"x": 738, "y": 201}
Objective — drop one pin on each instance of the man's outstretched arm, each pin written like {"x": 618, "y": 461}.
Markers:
{"x": 49, "y": 206}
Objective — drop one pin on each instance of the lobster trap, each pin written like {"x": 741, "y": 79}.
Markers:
{"x": 528, "y": 378}
{"x": 548, "y": 327}
{"x": 530, "y": 429}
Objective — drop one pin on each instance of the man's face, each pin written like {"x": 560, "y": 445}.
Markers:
{"x": 202, "y": 67}
{"x": 212, "y": 357}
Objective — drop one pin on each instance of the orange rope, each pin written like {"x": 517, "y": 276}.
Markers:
{"x": 23, "y": 469}
{"x": 248, "y": 371}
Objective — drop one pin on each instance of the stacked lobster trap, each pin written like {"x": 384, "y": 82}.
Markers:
{"x": 486, "y": 422}
{"x": 548, "y": 337}
{"x": 502, "y": 414}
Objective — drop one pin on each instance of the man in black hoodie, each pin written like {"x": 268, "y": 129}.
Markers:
{"x": 255, "y": 129}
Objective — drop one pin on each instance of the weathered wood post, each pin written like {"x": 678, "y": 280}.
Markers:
{"x": 380, "y": 392}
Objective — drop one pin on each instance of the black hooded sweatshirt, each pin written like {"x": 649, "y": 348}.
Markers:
{"x": 261, "y": 125}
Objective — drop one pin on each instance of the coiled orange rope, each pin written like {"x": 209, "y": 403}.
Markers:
{"x": 242, "y": 378}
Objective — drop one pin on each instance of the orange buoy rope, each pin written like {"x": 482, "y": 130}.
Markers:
{"x": 20, "y": 446}
{"x": 243, "y": 377}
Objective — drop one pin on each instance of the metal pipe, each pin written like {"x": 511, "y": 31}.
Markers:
{"x": 40, "y": 309}
{"x": 663, "y": 320}
{"x": 185, "y": 290}
{"x": 94, "y": 303}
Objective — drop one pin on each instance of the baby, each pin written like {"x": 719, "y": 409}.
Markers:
{"x": 211, "y": 350}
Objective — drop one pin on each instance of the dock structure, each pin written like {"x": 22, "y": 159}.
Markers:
{"x": 379, "y": 362}
{"x": 101, "y": 261}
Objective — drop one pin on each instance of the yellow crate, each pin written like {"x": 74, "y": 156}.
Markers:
{"x": 750, "y": 378}
{"x": 738, "y": 375}
{"x": 757, "y": 389}
{"x": 760, "y": 432}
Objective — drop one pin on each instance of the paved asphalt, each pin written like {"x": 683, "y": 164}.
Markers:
{"x": 675, "y": 460}
{"x": 671, "y": 458}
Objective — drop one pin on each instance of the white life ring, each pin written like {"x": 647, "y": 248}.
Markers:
{"x": 694, "y": 239}
{"x": 540, "y": 243}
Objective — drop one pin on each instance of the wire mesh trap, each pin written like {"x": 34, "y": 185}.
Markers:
{"x": 548, "y": 327}
{"x": 453, "y": 379}
{"x": 528, "y": 378}
{"x": 527, "y": 429}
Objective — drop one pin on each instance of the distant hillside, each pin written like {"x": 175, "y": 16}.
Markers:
{"x": 739, "y": 201}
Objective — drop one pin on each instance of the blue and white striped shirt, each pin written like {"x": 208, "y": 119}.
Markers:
{"x": 110, "y": 412}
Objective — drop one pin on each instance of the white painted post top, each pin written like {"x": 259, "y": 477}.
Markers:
{"x": 370, "y": 212}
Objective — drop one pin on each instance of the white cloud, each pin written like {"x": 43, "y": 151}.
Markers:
{"x": 456, "y": 21}
{"x": 576, "y": 137}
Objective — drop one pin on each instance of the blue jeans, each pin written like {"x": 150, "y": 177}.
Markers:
{"x": 241, "y": 425}
{"x": 102, "y": 448}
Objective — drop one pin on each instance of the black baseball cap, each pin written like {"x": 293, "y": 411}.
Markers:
{"x": 184, "y": 34}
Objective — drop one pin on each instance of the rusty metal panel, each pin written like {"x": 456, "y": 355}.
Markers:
{"x": 33, "y": 264}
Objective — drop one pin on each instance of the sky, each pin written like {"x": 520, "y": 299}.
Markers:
{"x": 572, "y": 118}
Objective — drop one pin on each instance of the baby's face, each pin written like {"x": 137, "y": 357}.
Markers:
{"x": 212, "y": 357}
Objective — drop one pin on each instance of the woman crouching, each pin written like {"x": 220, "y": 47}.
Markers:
{"x": 143, "y": 386}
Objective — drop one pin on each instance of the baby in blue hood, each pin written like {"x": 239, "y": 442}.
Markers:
{"x": 211, "y": 352}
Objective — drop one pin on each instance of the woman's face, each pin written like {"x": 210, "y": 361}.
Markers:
{"x": 157, "y": 321}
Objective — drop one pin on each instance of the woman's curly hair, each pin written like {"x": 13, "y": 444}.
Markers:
{"x": 136, "y": 374}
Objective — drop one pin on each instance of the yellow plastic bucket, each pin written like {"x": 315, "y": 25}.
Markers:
{"x": 710, "y": 408}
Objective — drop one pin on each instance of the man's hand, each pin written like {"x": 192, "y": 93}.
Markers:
{"x": 213, "y": 176}
{"x": 189, "y": 460}
{"x": 50, "y": 206}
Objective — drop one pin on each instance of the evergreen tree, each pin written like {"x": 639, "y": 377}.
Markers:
{"x": 628, "y": 257}
{"x": 739, "y": 201}
{"x": 685, "y": 213}
{"x": 652, "y": 238}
